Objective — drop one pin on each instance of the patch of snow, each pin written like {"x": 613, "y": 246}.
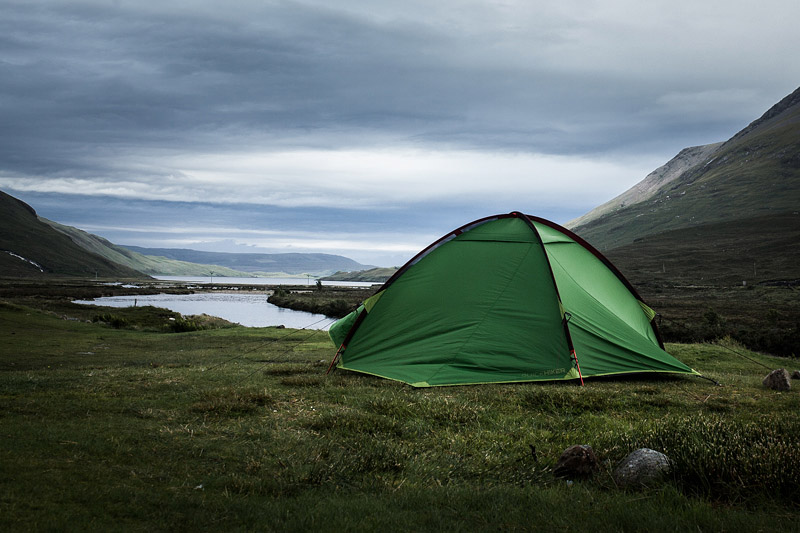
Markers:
{"x": 34, "y": 263}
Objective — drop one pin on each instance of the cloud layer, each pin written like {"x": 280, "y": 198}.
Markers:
{"x": 363, "y": 108}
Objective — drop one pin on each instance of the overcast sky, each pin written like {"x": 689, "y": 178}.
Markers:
{"x": 365, "y": 128}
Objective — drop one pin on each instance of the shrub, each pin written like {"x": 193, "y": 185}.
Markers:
{"x": 336, "y": 308}
{"x": 713, "y": 319}
{"x": 181, "y": 325}
{"x": 115, "y": 321}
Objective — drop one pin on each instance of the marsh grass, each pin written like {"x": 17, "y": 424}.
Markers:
{"x": 330, "y": 301}
{"x": 240, "y": 429}
{"x": 726, "y": 458}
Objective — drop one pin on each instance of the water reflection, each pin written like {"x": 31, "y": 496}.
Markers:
{"x": 247, "y": 309}
{"x": 217, "y": 280}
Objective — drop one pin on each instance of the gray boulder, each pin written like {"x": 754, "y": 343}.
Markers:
{"x": 778, "y": 380}
{"x": 640, "y": 468}
{"x": 578, "y": 461}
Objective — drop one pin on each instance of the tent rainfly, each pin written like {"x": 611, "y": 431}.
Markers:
{"x": 507, "y": 298}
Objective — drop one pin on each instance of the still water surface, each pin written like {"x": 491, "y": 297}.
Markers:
{"x": 247, "y": 309}
{"x": 262, "y": 281}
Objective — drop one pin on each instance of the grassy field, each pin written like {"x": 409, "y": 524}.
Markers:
{"x": 239, "y": 428}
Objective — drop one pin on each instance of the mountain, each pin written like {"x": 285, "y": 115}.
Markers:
{"x": 151, "y": 265}
{"x": 754, "y": 175}
{"x": 256, "y": 263}
{"x": 32, "y": 248}
{"x": 711, "y": 240}
{"x": 687, "y": 158}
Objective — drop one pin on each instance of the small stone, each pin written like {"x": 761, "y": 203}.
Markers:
{"x": 640, "y": 468}
{"x": 796, "y": 374}
{"x": 778, "y": 380}
{"x": 578, "y": 461}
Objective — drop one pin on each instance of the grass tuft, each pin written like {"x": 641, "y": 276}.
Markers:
{"x": 224, "y": 402}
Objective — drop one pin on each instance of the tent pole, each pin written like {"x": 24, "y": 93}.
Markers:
{"x": 336, "y": 359}
{"x": 577, "y": 364}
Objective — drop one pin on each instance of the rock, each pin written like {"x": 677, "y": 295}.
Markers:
{"x": 578, "y": 461}
{"x": 778, "y": 380}
{"x": 796, "y": 374}
{"x": 640, "y": 468}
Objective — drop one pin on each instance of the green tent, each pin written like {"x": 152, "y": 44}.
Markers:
{"x": 507, "y": 298}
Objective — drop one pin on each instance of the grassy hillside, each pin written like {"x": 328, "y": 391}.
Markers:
{"x": 738, "y": 279}
{"x": 716, "y": 249}
{"x": 39, "y": 246}
{"x": 31, "y": 248}
{"x": 152, "y": 265}
{"x": 258, "y": 263}
{"x": 754, "y": 174}
{"x": 373, "y": 275}
{"x": 763, "y": 249}
{"x": 673, "y": 169}
{"x": 240, "y": 429}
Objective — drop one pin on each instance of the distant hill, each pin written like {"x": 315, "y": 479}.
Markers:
{"x": 255, "y": 263}
{"x": 756, "y": 173}
{"x": 722, "y": 253}
{"x": 32, "y": 248}
{"x": 711, "y": 240}
{"x": 373, "y": 275}
{"x": 750, "y": 182}
{"x": 147, "y": 264}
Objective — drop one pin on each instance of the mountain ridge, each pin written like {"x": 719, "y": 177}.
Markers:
{"x": 755, "y": 173}
{"x": 34, "y": 249}
{"x": 259, "y": 263}
{"x": 36, "y": 246}
{"x": 716, "y": 250}
{"x": 153, "y": 266}
{"x": 669, "y": 171}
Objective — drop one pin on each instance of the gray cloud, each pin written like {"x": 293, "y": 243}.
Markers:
{"x": 121, "y": 98}
{"x": 192, "y": 77}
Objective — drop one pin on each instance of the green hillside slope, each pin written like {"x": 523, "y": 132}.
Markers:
{"x": 373, "y": 275}
{"x": 733, "y": 279}
{"x": 714, "y": 248}
{"x": 289, "y": 263}
{"x": 686, "y": 159}
{"x": 758, "y": 250}
{"x": 754, "y": 174}
{"x": 152, "y": 265}
{"x": 31, "y": 248}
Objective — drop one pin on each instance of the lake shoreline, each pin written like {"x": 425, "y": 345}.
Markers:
{"x": 246, "y": 308}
